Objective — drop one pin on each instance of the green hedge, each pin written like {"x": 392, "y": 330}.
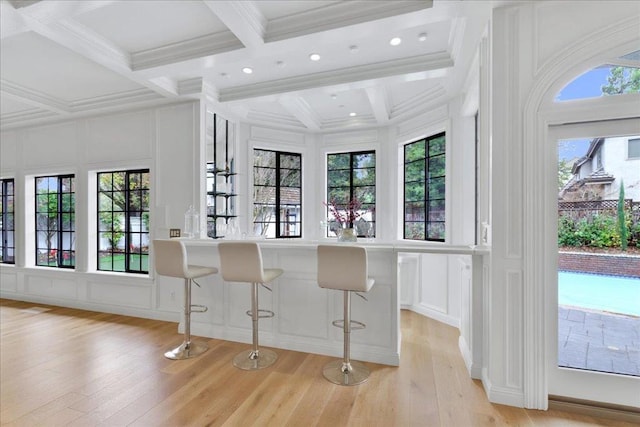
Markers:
{"x": 597, "y": 231}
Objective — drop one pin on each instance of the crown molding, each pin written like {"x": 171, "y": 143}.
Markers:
{"x": 115, "y": 100}
{"x": 20, "y": 118}
{"x": 421, "y": 102}
{"x": 50, "y": 108}
{"x": 414, "y": 64}
{"x": 210, "y": 44}
{"x": 34, "y": 98}
{"x": 350, "y": 122}
{"x": 191, "y": 86}
{"x": 274, "y": 119}
{"x": 338, "y": 15}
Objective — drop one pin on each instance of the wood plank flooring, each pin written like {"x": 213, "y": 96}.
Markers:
{"x": 67, "y": 367}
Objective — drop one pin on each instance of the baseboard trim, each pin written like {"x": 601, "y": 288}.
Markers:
{"x": 596, "y": 409}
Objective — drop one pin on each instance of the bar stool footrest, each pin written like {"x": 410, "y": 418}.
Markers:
{"x": 262, "y": 314}
{"x": 198, "y": 308}
{"x": 355, "y": 325}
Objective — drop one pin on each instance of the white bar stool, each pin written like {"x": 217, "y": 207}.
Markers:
{"x": 171, "y": 260}
{"x": 344, "y": 267}
{"x": 242, "y": 262}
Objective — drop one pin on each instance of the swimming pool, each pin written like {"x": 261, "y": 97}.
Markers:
{"x": 599, "y": 292}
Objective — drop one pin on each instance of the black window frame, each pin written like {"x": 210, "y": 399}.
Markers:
{"x": 278, "y": 189}
{"x": 353, "y": 188}
{"x": 428, "y": 198}
{"x": 7, "y": 210}
{"x": 59, "y": 257}
{"x": 128, "y": 233}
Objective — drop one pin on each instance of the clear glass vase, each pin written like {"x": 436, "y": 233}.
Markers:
{"x": 347, "y": 235}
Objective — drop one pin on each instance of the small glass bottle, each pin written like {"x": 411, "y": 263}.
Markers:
{"x": 191, "y": 223}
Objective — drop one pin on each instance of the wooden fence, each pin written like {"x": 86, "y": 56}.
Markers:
{"x": 579, "y": 210}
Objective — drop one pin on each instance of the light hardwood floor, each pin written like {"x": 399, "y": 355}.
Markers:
{"x": 63, "y": 366}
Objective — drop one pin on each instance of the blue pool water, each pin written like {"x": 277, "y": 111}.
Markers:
{"x": 599, "y": 292}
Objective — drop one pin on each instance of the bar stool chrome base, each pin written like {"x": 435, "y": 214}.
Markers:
{"x": 352, "y": 373}
{"x": 186, "y": 350}
{"x": 250, "y": 360}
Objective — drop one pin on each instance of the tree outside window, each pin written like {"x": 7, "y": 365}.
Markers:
{"x": 424, "y": 189}
{"x": 7, "y": 221}
{"x": 277, "y": 194}
{"x": 123, "y": 221}
{"x": 55, "y": 221}
{"x": 351, "y": 179}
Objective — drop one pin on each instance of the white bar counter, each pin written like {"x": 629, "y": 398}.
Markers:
{"x": 304, "y": 311}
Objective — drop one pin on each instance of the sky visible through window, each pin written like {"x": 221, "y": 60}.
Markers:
{"x": 587, "y": 85}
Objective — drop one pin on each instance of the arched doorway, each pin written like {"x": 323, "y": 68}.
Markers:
{"x": 548, "y": 122}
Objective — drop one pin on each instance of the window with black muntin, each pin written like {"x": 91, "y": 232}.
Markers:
{"x": 351, "y": 192}
{"x": 424, "y": 189}
{"x": 277, "y": 194}
{"x": 123, "y": 221}
{"x": 7, "y": 221}
{"x": 55, "y": 221}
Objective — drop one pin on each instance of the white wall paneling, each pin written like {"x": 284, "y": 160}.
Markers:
{"x": 84, "y": 146}
{"x": 8, "y": 281}
{"x": 109, "y": 137}
{"x": 304, "y": 311}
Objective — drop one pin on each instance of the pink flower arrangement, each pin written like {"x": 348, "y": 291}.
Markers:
{"x": 346, "y": 215}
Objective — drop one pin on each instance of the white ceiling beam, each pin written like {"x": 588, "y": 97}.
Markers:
{"x": 379, "y": 103}
{"x": 301, "y": 110}
{"x": 339, "y": 15}
{"x": 243, "y": 18}
{"x": 199, "y": 48}
{"x": 412, "y": 68}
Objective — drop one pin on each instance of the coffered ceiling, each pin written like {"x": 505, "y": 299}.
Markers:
{"x": 61, "y": 59}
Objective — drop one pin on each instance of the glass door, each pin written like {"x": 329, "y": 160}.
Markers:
{"x": 596, "y": 352}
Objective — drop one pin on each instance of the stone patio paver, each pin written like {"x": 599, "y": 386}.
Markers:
{"x": 598, "y": 341}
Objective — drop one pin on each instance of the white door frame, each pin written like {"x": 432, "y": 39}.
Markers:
{"x": 539, "y": 202}
{"x": 575, "y": 383}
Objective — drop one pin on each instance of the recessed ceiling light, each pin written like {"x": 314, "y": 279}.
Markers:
{"x": 352, "y": 114}
{"x": 334, "y": 96}
{"x": 395, "y": 41}
{"x": 247, "y": 70}
{"x": 422, "y": 36}
{"x": 353, "y": 48}
{"x": 314, "y": 57}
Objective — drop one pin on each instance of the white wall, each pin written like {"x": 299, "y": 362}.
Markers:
{"x": 164, "y": 140}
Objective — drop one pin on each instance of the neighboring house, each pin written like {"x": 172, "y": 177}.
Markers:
{"x": 598, "y": 174}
